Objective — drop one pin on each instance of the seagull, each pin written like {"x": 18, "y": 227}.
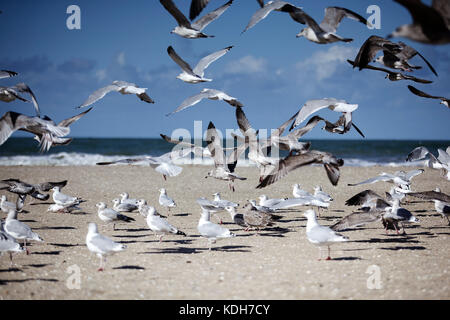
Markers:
{"x": 320, "y": 235}
{"x": 124, "y": 198}
{"x": 444, "y": 101}
{"x": 195, "y": 75}
{"x": 261, "y": 208}
{"x": 160, "y": 225}
{"x": 101, "y": 245}
{"x": 206, "y": 93}
{"x": 119, "y": 86}
{"x": 223, "y": 167}
{"x": 370, "y": 48}
{"x": 397, "y": 214}
{"x": 162, "y": 164}
{"x": 312, "y": 106}
{"x": 197, "y": 150}
{"x": 398, "y": 178}
{"x": 430, "y": 25}
{"x": 19, "y": 230}
{"x": 237, "y": 218}
{"x": 123, "y": 206}
{"x": 297, "y": 192}
{"x": 400, "y": 60}
{"x": 7, "y": 74}
{"x": 67, "y": 208}
{"x": 303, "y": 201}
{"x": 8, "y": 94}
{"x": 296, "y": 13}
{"x": 216, "y": 205}
{"x": 256, "y": 219}
{"x": 440, "y": 199}
{"x": 165, "y": 200}
{"x": 326, "y": 31}
{"x": 393, "y": 76}
{"x": 6, "y": 206}
{"x": 321, "y": 195}
{"x": 12, "y": 121}
{"x": 64, "y": 199}
{"x": 441, "y": 162}
{"x": 356, "y": 219}
{"x": 267, "y": 202}
{"x": 110, "y": 215}
{"x": 48, "y": 141}
{"x": 22, "y": 188}
{"x": 8, "y": 243}
{"x": 210, "y": 230}
{"x": 292, "y": 162}
{"x": 193, "y": 30}
{"x": 368, "y": 199}
{"x": 222, "y": 202}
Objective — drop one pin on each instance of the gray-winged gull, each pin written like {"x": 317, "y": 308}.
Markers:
{"x": 417, "y": 92}
{"x": 159, "y": 225}
{"x": 110, "y": 215}
{"x": 210, "y": 230}
{"x": 165, "y": 200}
{"x": 19, "y": 230}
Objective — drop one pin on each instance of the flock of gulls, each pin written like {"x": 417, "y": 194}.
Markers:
{"x": 431, "y": 24}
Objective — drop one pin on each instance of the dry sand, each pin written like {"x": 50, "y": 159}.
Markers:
{"x": 279, "y": 263}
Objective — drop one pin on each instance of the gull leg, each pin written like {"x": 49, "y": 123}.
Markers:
{"x": 320, "y": 254}
{"x": 11, "y": 259}
{"x": 165, "y": 178}
{"x": 100, "y": 268}
{"x": 25, "y": 246}
{"x": 329, "y": 257}
{"x": 160, "y": 238}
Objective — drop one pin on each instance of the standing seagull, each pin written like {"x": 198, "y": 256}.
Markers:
{"x": 160, "y": 225}
{"x": 430, "y": 24}
{"x": 110, "y": 215}
{"x": 320, "y": 235}
{"x": 223, "y": 166}
{"x": 64, "y": 199}
{"x": 195, "y": 75}
{"x": 119, "y": 86}
{"x": 165, "y": 200}
{"x": 8, "y": 243}
{"x": 326, "y": 31}
{"x": 19, "y": 230}
{"x": 397, "y": 214}
{"x": 101, "y": 245}
{"x": 193, "y": 30}
{"x": 210, "y": 230}
{"x": 206, "y": 93}
{"x": 444, "y": 101}
{"x": 123, "y": 206}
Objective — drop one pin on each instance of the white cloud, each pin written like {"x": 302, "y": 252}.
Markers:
{"x": 100, "y": 74}
{"x": 247, "y": 65}
{"x": 325, "y": 63}
{"x": 121, "y": 58}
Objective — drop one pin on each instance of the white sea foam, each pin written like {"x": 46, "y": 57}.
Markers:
{"x": 87, "y": 159}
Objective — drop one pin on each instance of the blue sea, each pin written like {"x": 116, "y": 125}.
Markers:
{"x": 88, "y": 151}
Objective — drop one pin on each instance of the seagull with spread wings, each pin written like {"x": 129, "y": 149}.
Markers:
{"x": 193, "y": 30}
{"x": 195, "y": 75}
{"x": 118, "y": 86}
{"x": 8, "y": 94}
{"x": 417, "y": 92}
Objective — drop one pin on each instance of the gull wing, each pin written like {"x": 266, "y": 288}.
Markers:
{"x": 419, "y": 93}
{"x": 201, "y": 23}
{"x": 192, "y": 100}
{"x": 22, "y": 87}
{"x": 263, "y": 12}
{"x": 206, "y": 61}
{"x": 334, "y": 15}
{"x": 443, "y": 156}
{"x": 196, "y": 7}
{"x": 183, "y": 64}
{"x": 362, "y": 197}
{"x": 369, "y": 49}
{"x": 431, "y": 195}
{"x": 312, "y": 106}
{"x": 173, "y": 10}
{"x": 356, "y": 219}
{"x": 7, "y": 74}
{"x": 418, "y": 154}
{"x": 69, "y": 121}
{"x": 98, "y": 94}
{"x": 215, "y": 145}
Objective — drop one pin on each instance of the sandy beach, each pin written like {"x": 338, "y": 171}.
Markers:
{"x": 278, "y": 263}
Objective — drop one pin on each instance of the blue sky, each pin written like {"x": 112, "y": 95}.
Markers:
{"x": 269, "y": 70}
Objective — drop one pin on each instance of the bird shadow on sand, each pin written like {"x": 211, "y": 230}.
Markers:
{"x": 28, "y": 221}
{"x": 396, "y": 239}
{"x": 396, "y": 248}
{"x": 11, "y": 269}
{"x": 129, "y": 267}
{"x": 181, "y": 214}
{"x": 130, "y": 235}
{"x": 55, "y": 228}
{"x": 36, "y": 265}
{"x": 40, "y": 203}
{"x": 136, "y": 230}
{"x": 178, "y": 250}
{"x": 346, "y": 259}
{"x": 50, "y": 253}
{"x": 5, "y": 282}
{"x": 66, "y": 245}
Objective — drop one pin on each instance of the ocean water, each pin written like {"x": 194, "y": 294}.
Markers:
{"x": 89, "y": 151}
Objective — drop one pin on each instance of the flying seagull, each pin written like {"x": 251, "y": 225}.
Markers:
{"x": 292, "y": 162}
{"x": 212, "y": 94}
{"x": 7, "y": 74}
{"x": 398, "y": 178}
{"x": 22, "y": 188}
{"x": 326, "y": 31}
{"x": 195, "y": 75}
{"x": 430, "y": 24}
{"x": 370, "y": 48}
{"x": 162, "y": 164}
{"x": 296, "y": 13}
{"x": 8, "y": 94}
{"x": 223, "y": 166}
{"x": 440, "y": 199}
{"x": 441, "y": 162}
{"x": 193, "y": 30}
{"x": 45, "y": 128}
{"x": 196, "y": 7}
{"x": 341, "y": 126}
{"x": 118, "y": 86}
{"x": 392, "y": 75}
{"x": 101, "y": 245}
{"x": 444, "y": 101}
{"x": 400, "y": 60}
